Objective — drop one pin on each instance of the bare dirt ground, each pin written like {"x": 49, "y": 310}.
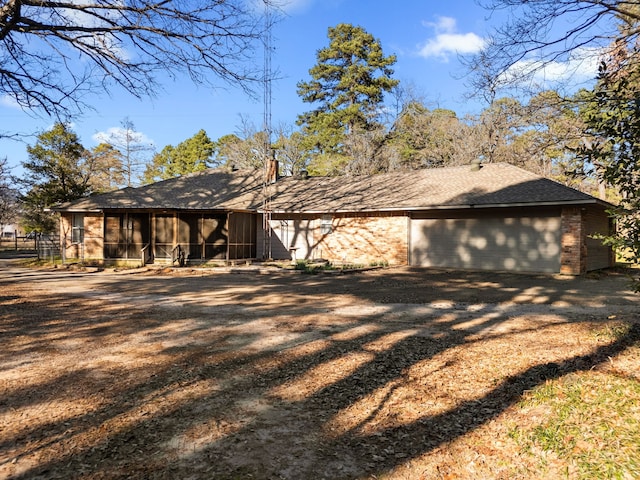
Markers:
{"x": 393, "y": 373}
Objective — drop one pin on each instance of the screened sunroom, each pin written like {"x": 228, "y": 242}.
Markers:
{"x": 161, "y": 237}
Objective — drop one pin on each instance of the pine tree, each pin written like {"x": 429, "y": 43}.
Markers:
{"x": 192, "y": 155}
{"x": 348, "y": 85}
{"x": 56, "y": 172}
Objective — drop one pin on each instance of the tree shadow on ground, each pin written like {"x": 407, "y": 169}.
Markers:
{"x": 283, "y": 386}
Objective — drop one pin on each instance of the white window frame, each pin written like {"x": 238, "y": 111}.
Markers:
{"x": 77, "y": 228}
{"x": 326, "y": 224}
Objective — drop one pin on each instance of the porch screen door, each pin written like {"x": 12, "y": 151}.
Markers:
{"x": 164, "y": 236}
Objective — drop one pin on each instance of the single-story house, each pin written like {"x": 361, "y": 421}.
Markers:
{"x": 488, "y": 217}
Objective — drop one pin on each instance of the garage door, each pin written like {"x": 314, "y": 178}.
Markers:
{"x": 527, "y": 244}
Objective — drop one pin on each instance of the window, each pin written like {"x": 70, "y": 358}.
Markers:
{"x": 326, "y": 224}
{"x": 77, "y": 229}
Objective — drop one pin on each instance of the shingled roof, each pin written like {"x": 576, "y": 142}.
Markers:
{"x": 212, "y": 189}
{"x": 453, "y": 187}
{"x": 498, "y": 184}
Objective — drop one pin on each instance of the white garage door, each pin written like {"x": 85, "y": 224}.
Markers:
{"x": 527, "y": 244}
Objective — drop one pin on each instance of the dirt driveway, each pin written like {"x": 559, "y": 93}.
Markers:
{"x": 252, "y": 373}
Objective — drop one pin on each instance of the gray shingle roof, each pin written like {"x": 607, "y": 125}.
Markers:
{"x": 453, "y": 187}
{"x": 208, "y": 190}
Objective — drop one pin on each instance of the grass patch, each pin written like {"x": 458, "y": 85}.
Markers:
{"x": 379, "y": 263}
{"x": 324, "y": 266}
{"x": 592, "y": 426}
{"x": 312, "y": 267}
{"x": 611, "y": 332}
{"x": 209, "y": 264}
{"x": 39, "y": 262}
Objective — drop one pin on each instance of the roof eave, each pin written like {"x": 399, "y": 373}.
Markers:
{"x": 73, "y": 210}
{"x": 154, "y": 209}
{"x": 446, "y": 207}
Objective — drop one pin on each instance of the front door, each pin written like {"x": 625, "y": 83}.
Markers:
{"x": 163, "y": 236}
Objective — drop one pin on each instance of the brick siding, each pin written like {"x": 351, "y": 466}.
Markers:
{"x": 365, "y": 240}
{"x": 573, "y": 242}
{"x": 598, "y": 222}
{"x": 65, "y": 236}
{"x": 93, "y": 238}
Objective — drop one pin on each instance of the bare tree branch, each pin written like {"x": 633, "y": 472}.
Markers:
{"x": 539, "y": 33}
{"x": 53, "y": 54}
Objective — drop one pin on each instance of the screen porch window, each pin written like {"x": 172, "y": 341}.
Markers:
{"x": 77, "y": 229}
{"x": 125, "y": 234}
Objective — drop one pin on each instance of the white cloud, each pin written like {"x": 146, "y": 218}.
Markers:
{"x": 448, "y": 41}
{"x": 69, "y": 125}
{"x": 287, "y": 6}
{"x": 107, "y": 42}
{"x": 580, "y": 66}
{"x": 290, "y": 6}
{"x": 10, "y": 102}
{"x": 119, "y": 134}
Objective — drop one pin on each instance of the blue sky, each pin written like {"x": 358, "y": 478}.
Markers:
{"x": 426, "y": 36}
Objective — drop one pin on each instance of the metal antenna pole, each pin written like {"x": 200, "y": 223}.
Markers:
{"x": 267, "y": 77}
{"x": 268, "y": 153}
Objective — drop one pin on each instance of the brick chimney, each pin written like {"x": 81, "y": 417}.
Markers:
{"x": 272, "y": 175}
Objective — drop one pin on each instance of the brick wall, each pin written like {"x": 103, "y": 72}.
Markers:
{"x": 573, "y": 255}
{"x": 597, "y": 222}
{"x": 70, "y": 251}
{"x": 93, "y": 237}
{"x": 364, "y": 240}
{"x": 92, "y": 250}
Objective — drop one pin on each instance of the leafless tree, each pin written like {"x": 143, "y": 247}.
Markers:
{"x": 53, "y": 54}
{"x": 365, "y": 152}
{"x": 132, "y": 147}
{"x": 541, "y": 33}
{"x": 289, "y": 150}
{"x": 8, "y": 196}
